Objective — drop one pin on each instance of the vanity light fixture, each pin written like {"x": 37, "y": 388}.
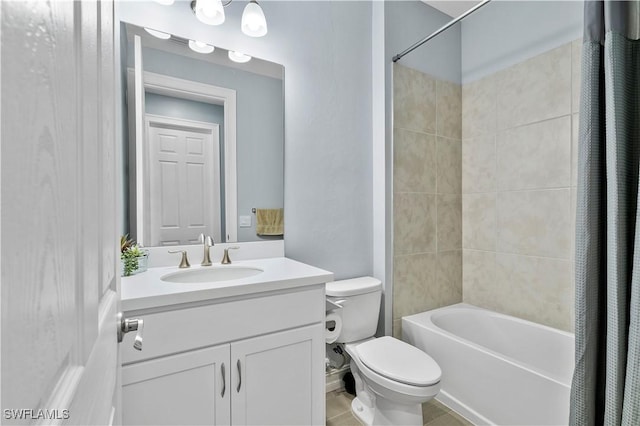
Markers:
{"x": 211, "y": 12}
{"x": 165, "y": 2}
{"x": 253, "y": 23}
{"x": 200, "y": 47}
{"x": 239, "y": 57}
{"x": 159, "y": 34}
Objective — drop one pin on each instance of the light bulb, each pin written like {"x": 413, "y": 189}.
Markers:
{"x": 253, "y": 23}
{"x": 165, "y": 2}
{"x": 210, "y": 12}
{"x": 200, "y": 47}
{"x": 156, "y": 33}
{"x": 239, "y": 57}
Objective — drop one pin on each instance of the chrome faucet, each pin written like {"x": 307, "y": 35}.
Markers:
{"x": 207, "y": 242}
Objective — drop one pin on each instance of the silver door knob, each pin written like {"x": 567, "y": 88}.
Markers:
{"x": 126, "y": 325}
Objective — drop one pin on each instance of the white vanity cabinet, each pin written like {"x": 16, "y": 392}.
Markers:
{"x": 181, "y": 389}
{"x": 236, "y": 361}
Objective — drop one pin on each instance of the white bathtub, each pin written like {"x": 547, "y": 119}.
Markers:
{"x": 496, "y": 369}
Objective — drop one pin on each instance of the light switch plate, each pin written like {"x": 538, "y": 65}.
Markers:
{"x": 245, "y": 221}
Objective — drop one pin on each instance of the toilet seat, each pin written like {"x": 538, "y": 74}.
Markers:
{"x": 388, "y": 386}
{"x": 399, "y": 361}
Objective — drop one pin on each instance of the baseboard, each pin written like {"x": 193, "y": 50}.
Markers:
{"x": 334, "y": 378}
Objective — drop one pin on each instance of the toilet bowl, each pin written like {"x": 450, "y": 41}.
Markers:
{"x": 397, "y": 379}
{"x": 393, "y": 379}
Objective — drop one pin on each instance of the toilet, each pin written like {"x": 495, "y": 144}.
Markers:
{"x": 393, "y": 379}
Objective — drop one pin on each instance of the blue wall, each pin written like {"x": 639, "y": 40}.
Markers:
{"x": 183, "y": 108}
{"x": 406, "y": 22}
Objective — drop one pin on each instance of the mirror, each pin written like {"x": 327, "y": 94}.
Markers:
{"x": 203, "y": 143}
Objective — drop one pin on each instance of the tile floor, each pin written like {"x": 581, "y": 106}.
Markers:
{"x": 433, "y": 412}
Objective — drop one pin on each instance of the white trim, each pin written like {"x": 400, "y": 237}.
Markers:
{"x": 200, "y": 92}
{"x": 139, "y": 132}
{"x": 333, "y": 378}
{"x": 379, "y": 168}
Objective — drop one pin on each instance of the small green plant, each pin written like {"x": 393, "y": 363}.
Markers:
{"x": 129, "y": 254}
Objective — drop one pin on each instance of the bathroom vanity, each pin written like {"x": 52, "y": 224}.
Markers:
{"x": 233, "y": 351}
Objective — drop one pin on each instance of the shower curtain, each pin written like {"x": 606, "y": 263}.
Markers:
{"x": 606, "y": 380}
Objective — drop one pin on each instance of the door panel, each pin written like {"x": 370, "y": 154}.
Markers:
{"x": 280, "y": 378}
{"x": 178, "y": 389}
{"x": 184, "y": 183}
{"x": 59, "y": 292}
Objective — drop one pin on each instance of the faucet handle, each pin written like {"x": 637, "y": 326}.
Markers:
{"x": 225, "y": 259}
{"x": 184, "y": 262}
{"x": 209, "y": 241}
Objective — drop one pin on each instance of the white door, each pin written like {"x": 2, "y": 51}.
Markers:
{"x": 58, "y": 253}
{"x": 291, "y": 395}
{"x": 184, "y": 180}
{"x": 190, "y": 388}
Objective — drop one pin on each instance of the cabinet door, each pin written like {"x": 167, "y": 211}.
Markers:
{"x": 188, "y": 388}
{"x": 278, "y": 379}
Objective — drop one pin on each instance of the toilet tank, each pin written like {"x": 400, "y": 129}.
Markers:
{"x": 360, "y": 301}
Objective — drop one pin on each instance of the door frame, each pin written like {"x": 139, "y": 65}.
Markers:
{"x": 154, "y": 120}
{"x": 200, "y": 92}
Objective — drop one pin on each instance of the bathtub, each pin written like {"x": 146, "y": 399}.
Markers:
{"x": 496, "y": 369}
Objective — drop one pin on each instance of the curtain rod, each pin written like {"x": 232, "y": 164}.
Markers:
{"x": 440, "y": 30}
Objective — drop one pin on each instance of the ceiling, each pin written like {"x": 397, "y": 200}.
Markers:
{"x": 453, "y": 8}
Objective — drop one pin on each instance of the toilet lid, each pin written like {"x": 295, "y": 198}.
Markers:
{"x": 399, "y": 361}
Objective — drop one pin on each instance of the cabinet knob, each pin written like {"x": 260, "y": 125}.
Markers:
{"x": 126, "y": 325}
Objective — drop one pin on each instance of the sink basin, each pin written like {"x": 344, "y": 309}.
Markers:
{"x": 207, "y": 275}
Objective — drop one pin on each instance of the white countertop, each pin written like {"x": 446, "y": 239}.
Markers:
{"x": 146, "y": 290}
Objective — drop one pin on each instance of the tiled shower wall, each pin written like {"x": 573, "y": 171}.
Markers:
{"x": 427, "y": 199}
{"x": 519, "y": 130}
{"x": 516, "y": 170}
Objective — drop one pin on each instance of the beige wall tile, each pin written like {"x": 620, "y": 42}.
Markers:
{"x": 535, "y": 90}
{"x": 479, "y": 221}
{"x": 449, "y": 218}
{"x": 576, "y": 68}
{"x": 479, "y": 164}
{"x": 414, "y": 223}
{"x": 449, "y": 165}
{"x": 414, "y": 100}
{"x": 535, "y": 156}
{"x": 479, "y": 108}
{"x": 449, "y": 109}
{"x": 449, "y": 277}
{"x": 575, "y": 131}
{"x": 534, "y": 288}
{"x": 414, "y": 284}
{"x": 478, "y": 277}
{"x": 414, "y": 161}
{"x": 397, "y": 329}
{"x": 535, "y": 223}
